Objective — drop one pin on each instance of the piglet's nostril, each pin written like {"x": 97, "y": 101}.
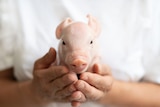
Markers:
{"x": 76, "y": 66}
{"x": 79, "y": 64}
{"x": 73, "y": 65}
{"x": 84, "y": 65}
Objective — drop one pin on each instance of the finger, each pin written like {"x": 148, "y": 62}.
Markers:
{"x": 55, "y": 72}
{"x": 77, "y": 96}
{"x": 101, "y": 69}
{"x": 89, "y": 91}
{"x": 75, "y": 104}
{"x": 64, "y": 81}
{"x": 67, "y": 91}
{"x": 103, "y": 83}
{"x": 50, "y": 74}
{"x": 46, "y": 60}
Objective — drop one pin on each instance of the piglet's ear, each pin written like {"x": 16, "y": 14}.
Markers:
{"x": 94, "y": 25}
{"x": 61, "y": 26}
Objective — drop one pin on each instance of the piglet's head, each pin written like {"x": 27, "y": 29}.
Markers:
{"x": 77, "y": 46}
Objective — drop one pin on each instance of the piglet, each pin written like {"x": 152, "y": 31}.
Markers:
{"x": 78, "y": 49}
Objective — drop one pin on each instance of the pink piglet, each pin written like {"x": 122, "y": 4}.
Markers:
{"x": 78, "y": 48}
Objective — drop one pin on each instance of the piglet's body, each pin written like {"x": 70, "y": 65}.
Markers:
{"x": 78, "y": 49}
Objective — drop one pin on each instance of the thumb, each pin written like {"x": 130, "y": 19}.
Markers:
{"x": 46, "y": 60}
{"x": 101, "y": 69}
{"x": 96, "y": 68}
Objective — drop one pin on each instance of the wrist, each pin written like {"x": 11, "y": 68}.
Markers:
{"x": 117, "y": 95}
{"x": 28, "y": 94}
{"x": 110, "y": 96}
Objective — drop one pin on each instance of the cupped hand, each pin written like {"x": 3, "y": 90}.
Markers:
{"x": 52, "y": 83}
{"x": 95, "y": 84}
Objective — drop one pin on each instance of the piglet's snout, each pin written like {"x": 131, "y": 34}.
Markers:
{"x": 78, "y": 65}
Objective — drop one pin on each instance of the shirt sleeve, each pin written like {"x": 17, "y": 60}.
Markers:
{"x": 7, "y": 35}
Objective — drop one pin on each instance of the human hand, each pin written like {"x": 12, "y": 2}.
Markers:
{"x": 95, "y": 85}
{"x": 51, "y": 82}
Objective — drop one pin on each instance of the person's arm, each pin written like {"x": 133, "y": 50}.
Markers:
{"x": 134, "y": 94}
{"x": 122, "y": 94}
{"x": 13, "y": 93}
{"x": 50, "y": 84}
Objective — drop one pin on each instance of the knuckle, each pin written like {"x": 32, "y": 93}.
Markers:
{"x": 70, "y": 77}
{"x": 52, "y": 68}
{"x": 84, "y": 87}
{"x": 71, "y": 88}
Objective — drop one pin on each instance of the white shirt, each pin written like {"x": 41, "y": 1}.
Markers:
{"x": 129, "y": 41}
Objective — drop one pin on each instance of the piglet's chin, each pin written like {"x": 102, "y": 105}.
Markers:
{"x": 79, "y": 70}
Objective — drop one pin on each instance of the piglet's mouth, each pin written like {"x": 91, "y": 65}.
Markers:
{"x": 79, "y": 70}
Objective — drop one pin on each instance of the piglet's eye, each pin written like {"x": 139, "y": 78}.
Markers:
{"x": 91, "y": 42}
{"x": 63, "y": 43}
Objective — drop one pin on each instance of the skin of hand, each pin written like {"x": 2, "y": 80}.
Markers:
{"x": 96, "y": 84}
{"x": 52, "y": 82}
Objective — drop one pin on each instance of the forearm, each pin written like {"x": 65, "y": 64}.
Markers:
{"x": 16, "y": 94}
{"x": 129, "y": 94}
